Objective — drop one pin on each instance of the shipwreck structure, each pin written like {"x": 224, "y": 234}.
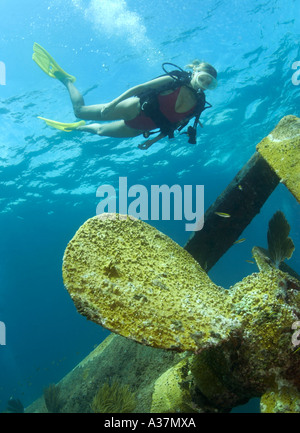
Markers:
{"x": 185, "y": 344}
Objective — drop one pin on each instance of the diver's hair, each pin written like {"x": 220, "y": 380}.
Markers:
{"x": 198, "y": 65}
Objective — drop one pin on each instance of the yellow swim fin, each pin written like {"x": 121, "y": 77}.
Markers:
{"x": 67, "y": 127}
{"x": 46, "y": 62}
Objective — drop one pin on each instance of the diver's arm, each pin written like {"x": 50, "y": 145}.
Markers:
{"x": 137, "y": 90}
{"x": 149, "y": 143}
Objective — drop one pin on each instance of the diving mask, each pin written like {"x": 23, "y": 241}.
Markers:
{"x": 205, "y": 81}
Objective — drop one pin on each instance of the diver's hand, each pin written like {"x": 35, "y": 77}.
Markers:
{"x": 148, "y": 143}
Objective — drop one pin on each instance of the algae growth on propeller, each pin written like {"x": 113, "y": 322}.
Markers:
{"x": 138, "y": 286}
{"x": 128, "y": 277}
{"x": 236, "y": 344}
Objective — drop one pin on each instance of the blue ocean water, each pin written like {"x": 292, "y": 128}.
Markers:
{"x": 49, "y": 178}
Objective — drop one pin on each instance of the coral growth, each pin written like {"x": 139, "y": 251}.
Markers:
{"x": 171, "y": 390}
{"x": 114, "y": 398}
{"x": 52, "y": 398}
{"x": 159, "y": 296}
{"x": 14, "y": 405}
{"x": 281, "y": 150}
{"x": 282, "y": 398}
{"x": 280, "y": 246}
{"x": 149, "y": 286}
{"x": 128, "y": 277}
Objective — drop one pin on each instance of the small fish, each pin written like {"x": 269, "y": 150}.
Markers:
{"x": 223, "y": 214}
{"x": 240, "y": 187}
{"x": 239, "y": 241}
{"x": 250, "y": 261}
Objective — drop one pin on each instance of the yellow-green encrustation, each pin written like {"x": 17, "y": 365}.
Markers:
{"x": 130, "y": 278}
{"x": 281, "y": 149}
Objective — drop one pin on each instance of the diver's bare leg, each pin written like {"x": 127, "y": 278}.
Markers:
{"x": 126, "y": 109}
{"x": 116, "y": 129}
{"x": 90, "y": 112}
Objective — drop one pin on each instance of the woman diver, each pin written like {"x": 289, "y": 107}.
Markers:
{"x": 167, "y": 102}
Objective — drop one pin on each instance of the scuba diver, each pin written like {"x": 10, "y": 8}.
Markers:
{"x": 167, "y": 102}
